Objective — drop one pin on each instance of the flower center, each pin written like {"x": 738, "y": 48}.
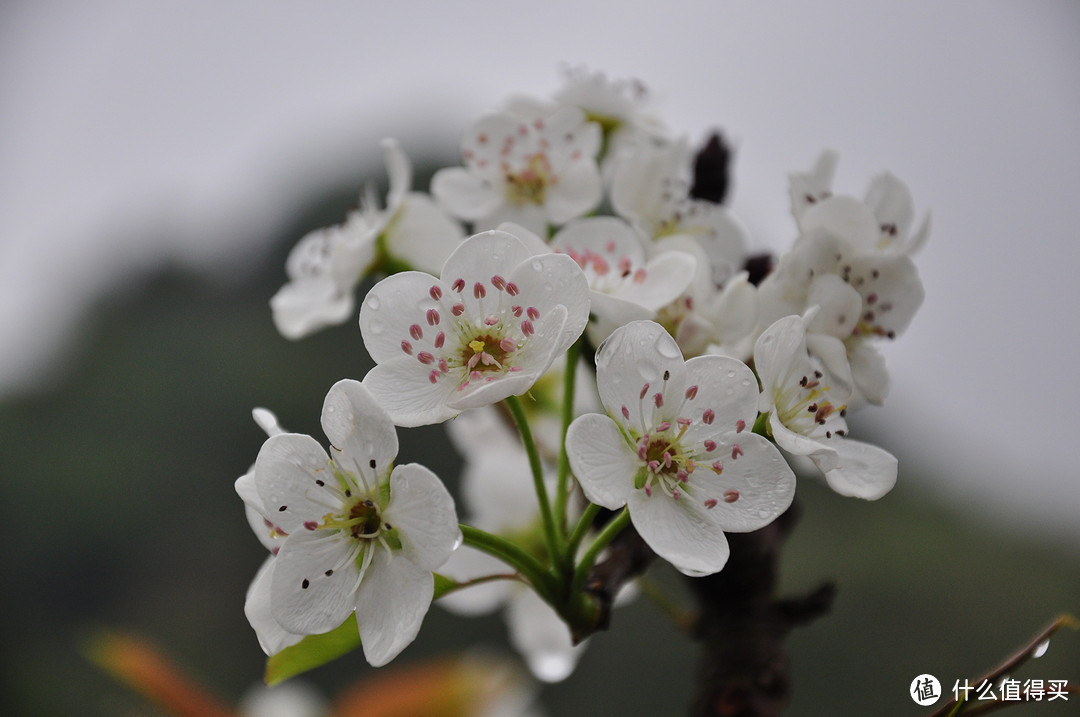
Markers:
{"x": 364, "y": 520}
{"x": 806, "y": 409}
{"x": 529, "y": 185}
{"x": 484, "y": 353}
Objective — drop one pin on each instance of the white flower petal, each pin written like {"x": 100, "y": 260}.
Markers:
{"x": 550, "y": 280}
{"x": 391, "y": 307}
{"x": 728, "y": 388}
{"x": 483, "y": 256}
{"x": 286, "y": 473}
{"x": 823, "y": 454}
{"x": 680, "y": 531}
{"x": 869, "y": 373}
{"x": 304, "y": 599}
{"x": 846, "y": 218}
{"x": 761, "y": 478}
{"x": 391, "y": 604}
{"x": 890, "y": 200}
{"x": 540, "y": 635}
{"x": 304, "y": 306}
{"x": 273, "y": 638}
{"x": 422, "y": 512}
{"x": 637, "y": 354}
{"x": 467, "y": 563}
{"x": 534, "y": 243}
{"x": 776, "y": 350}
{"x": 840, "y": 306}
{"x": 601, "y": 460}
{"x": 891, "y": 289}
{"x": 578, "y": 191}
{"x": 421, "y": 235}
{"x": 528, "y": 215}
{"x": 402, "y": 387}
{"x": 863, "y": 470}
{"x": 464, "y": 194}
{"x": 359, "y": 430}
{"x": 399, "y": 172}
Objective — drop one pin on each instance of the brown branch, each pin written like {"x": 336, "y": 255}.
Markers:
{"x": 744, "y": 670}
{"x": 741, "y": 624}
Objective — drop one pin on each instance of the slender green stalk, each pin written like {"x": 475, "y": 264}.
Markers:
{"x": 562, "y": 494}
{"x": 550, "y": 534}
{"x": 589, "y": 558}
{"x": 584, "y": 523}
{"x": 512, "y": 555}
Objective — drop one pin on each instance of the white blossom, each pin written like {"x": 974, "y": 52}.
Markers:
{"x": 488, "y": 329}
{"x": 327, "y": 264}
{"x": 806, "y": 414}
{"x": 624, "y": 285}
{"x": 531, "y": 171}
{"x": 676, "y": 448}
{"x": 359, "y": 534}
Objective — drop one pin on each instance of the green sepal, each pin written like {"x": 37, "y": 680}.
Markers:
{"x": 317, "y": 650}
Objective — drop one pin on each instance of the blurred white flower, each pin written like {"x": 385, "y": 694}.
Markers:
{"x": 532, "y": 171}
{"x": 327, "y": 264}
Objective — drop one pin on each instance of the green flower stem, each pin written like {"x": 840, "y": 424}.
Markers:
{"x": 589, "y": 558}
{"x": 512, "y": 555}
{"x": 761, "y": 426}
{"x": 584, "y": 523}
{"x": 553, "y": 542}
{"x": 562, "y": 494}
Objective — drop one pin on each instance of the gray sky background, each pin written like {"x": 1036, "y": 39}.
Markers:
{"x": 203, "y": 124}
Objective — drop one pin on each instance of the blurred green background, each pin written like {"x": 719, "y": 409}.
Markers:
{"x": 117, "y": 495}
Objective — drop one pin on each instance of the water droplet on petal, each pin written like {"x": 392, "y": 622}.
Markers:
{"x": 731, "y": 374}
{"x": 668, "y": 350}
{"x": 376, "y": 327}
{"x": 373, "y": 302}
{"x": 537, "y": 265}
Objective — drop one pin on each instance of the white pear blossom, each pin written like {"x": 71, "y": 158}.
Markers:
{"x": 650, "y": 189}
{"x": 327, "y": 264}
{"x": 888, "y": 202}
{"x": 617, "y": 105}
{"x": 531, "y": 171}
{"x": 488, "y": 329}
{"x": 707, "y": 318}
{"x": 676, "y": 448}
{"x": 624, "y": 286}
{"x": 360, "y": 534}
{"x": 864, "y": 291}
{"x": 806, "y": 414}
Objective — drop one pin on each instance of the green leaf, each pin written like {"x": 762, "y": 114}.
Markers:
{"x": 316, "y": 650}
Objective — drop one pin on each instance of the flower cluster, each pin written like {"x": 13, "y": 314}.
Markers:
{"x": 710, "y": 364}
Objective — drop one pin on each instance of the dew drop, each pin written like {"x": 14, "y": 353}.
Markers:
{"x": 373, "y": 302}
{"x": 537, "y": 265}
{"x": 1041, "y": 648}
{"x": 668, "y": 350}
{"x": 731, "y": 374}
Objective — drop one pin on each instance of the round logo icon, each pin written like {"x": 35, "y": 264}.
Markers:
{"x": 925, "y": 690}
